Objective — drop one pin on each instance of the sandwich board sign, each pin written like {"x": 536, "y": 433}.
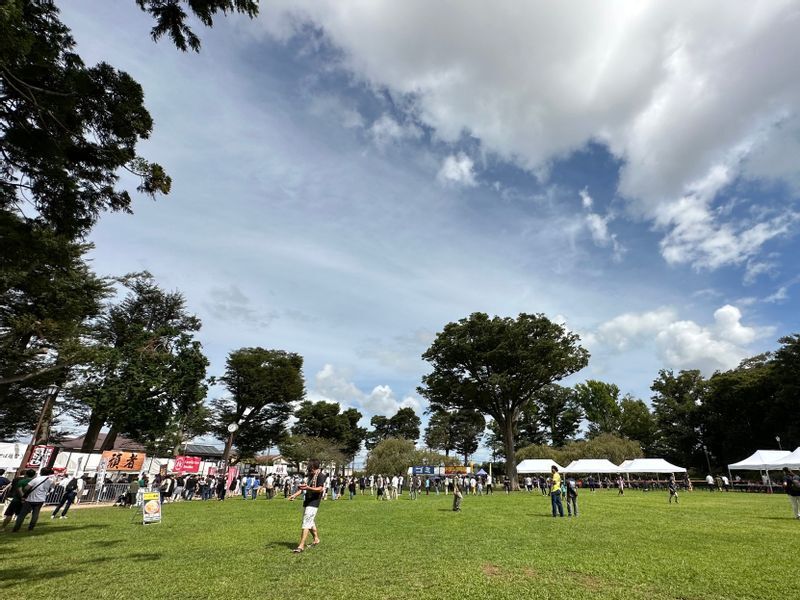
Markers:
{"x": 151, "y": 508}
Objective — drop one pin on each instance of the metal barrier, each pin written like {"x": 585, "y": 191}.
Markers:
{"x": 90, "y": 494}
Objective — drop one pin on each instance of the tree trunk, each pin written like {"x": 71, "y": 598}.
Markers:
{"x": 111, "y": 438}
{"x": 508, "y": 445}
{"x": 46, "y": 424}
{"x": 96, "y": 423}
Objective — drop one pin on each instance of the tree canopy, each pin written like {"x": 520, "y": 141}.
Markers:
{"x": 496, "y": 366}
{"x": 404, "y": 424}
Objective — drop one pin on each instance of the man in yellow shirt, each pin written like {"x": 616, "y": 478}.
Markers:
{"x": 555, "y": 492}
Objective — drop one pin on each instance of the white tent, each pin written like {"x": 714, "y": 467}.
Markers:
{"x": 624, "y": 464}
{"x": 537, "y": 465}
{"x": 650, "y": 465}
{"x": 592, "y": 465}
{"x": 760, "y": 460}
{"x": 792, "y": 461}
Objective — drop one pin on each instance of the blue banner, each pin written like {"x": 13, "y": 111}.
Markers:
{"x": 424, "y": 470}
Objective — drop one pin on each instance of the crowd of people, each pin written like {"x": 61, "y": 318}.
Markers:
{"x": 29, "y": 492}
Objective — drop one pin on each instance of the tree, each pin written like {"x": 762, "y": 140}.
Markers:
{"x": 404, "y": 424}
{"x": 171, "y": 17}
{"x": 302, "y": 448}
{"x": 67, "y": 129}
{"x": 468, "y": 427}
{"x": 264, "y": 384}
{"x": 604, "y": 445}
{"x": 496, "y": 366}
{"x": 636, "y": 422}
{"x": 146, "y": 372}
{"x": 600, "y": 404}
{"x": 323, "y": 420}
{"x": 559, "y": 412}
{"x": 439, "y": 433}
{"x": 391, "y": 456}
{"x": 676, "y": 409}
{"x": 783, "y": 413}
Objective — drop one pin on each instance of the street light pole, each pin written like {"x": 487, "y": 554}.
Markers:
{"x": 708, "y": 461}
{"x": 778, "y": 439}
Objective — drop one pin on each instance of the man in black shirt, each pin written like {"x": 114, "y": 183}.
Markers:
{"x": 313, "y": 494}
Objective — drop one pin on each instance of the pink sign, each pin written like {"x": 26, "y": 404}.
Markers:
{"x": 232, "y": 474}
{"x": 187, "y": 464}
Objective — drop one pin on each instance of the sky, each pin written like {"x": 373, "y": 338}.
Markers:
{"x": 350, "y": 176}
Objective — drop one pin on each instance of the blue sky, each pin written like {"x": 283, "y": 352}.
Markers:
{"x": 350, "y": 176}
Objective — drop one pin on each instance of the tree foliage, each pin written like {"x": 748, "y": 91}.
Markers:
{"x": 600, "y": 404}
{"x": 559, "y": 413}
{"x": 323, "y": 420}
{"x": 171, "y": 17}
{"x": 404, "y": 424}
{"x": 264, "y": 384}
{"x": 676, "y": 408}
{"x": 496, "y": 365}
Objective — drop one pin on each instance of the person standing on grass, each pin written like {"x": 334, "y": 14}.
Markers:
{"x": 572, "y": 497}
{"x": 710, "y": 482}
{"x": 351, "y": 487}
{"x": 34, "y": 494}
{"x": 457, "y": 496}
{"x": 555, "y": 492}
{"x": 620, "y": 486}
{"x": 313, "y": 494}
{"x": 672, "y": 486}
{"x": 791, "y": 483}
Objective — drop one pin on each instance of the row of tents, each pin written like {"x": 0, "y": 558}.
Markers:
{"x": 760, "y": 460}
{"x": 599, "y": 466}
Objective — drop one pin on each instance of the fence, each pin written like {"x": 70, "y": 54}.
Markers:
{"x": 109, "y": 493}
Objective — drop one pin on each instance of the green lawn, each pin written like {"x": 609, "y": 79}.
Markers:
{"x": 712, "y": 545}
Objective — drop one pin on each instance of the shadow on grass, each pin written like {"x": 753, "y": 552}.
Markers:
{"x": 10, "y": 578}
{"x": 287, "y": 545}
{"x": 41, "y": 531}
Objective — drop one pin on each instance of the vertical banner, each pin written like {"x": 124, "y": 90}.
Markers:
{"x": 101, "y": 478}
{"x": 41, "y": 456}
{"x": 151, "y": 508}
{"x": 233, "y": 472}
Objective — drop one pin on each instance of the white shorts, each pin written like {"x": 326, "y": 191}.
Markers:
{"x": 309, "y": 513}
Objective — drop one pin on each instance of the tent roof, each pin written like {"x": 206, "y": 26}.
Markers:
{"x": 592, "y": 465}
{"x": 792, "y": 461}
{"x": 760, "y": 460}
{"x": 650, "y": 465}
{"x": 481, "y": 472}
{"x": 537, "y": 465}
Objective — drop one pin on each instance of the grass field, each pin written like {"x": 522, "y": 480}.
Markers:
{"x": 712, "y": 545}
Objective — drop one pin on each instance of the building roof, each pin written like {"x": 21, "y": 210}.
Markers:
{"x": 121, "y": 443}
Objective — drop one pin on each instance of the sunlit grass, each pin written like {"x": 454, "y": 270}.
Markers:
{"x": 711, "y": 545}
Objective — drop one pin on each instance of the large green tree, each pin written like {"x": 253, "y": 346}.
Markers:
{"x": 469, "y": 425}
{"x": 559, "y": 413}
{"x": 636, "y": 422}
{"x": 262, "y": 384}
{"x": 600, "y": 404}
{"x": 404, "y": 424}
{"x": 676, "y": 402}
{"x": 147, "y": 372}
{"x": 496, "y": 366}
{"x": 324, "y": 420}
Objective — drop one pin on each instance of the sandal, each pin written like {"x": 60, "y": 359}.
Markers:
{"x": 315, "y": 543}
{"x": 298, "y": 550}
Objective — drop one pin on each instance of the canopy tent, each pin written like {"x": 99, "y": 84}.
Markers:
{"x": 792, "y": 461}
{"x": 650, "y": 465}
{"x": 624, "y": 464}
{"x": 592, "y": 465}
{"x": 760, "y": 460}
{"x": 537, "y": 465}
{"x": 481, "y": 472}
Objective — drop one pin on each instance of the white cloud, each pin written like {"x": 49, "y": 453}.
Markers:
{"x": 586, "y": 199}
{"x": 457, "y": 170}
{"x": 684, "y": 344}
{"x": 331, "y": 385}
{"x": 780, "y": 295}
{"x": 386, "y": 130}
{"x": 598, "y": 227}
{"x": 681, "y": 92}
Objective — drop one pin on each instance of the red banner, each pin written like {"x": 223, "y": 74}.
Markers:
{"x": 187, "y": 464}
{"x": 41, "y": 456}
